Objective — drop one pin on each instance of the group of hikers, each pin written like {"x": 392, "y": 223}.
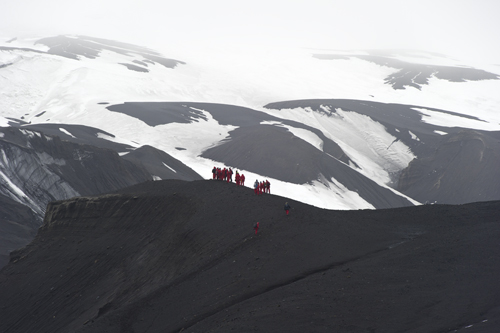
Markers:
{"x": 227, "y": 176}
{"x": 262, "y": 187}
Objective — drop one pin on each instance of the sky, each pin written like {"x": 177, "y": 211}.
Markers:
{"x": 464, "y": 29}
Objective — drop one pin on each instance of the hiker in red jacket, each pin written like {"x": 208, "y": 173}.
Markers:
{"x": 237, "y": 178}
{"x": 229, "y": 175}
{"x": 268, "y": 187}
{"x": 256, "y": 227}
{"x": 287, "y": 208}
{"x": 242, "y": 179}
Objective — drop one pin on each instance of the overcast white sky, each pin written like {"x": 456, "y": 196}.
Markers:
{"x": 467, "y": 29}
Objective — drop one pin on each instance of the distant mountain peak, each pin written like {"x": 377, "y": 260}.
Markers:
{"x": 413, "y": 74}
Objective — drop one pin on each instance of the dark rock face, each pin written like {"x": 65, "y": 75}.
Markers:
{"x": 171, "y": 255}
{"x": 37, "y": 168}
{"x": 161, "y": 164}
{"x": 462, "y": 169}
{"x": 18, "y": 226}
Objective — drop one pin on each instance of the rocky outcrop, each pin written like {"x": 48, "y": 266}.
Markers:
{"x": 36, "y": 168}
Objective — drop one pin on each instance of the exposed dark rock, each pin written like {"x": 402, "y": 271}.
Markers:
{"x": 462, "y": 169}
{"x": 174, "y": 256}
{"x": 5, "y": 65}
{"x": 415, "y": 75}
{"x": 18, "y": 226}
{"x": 89, "y": 47}
{"x": 136, "y": 68}
{"x": 141, "y": 63}
{"x": 158, "y": 113}
{"x": 80, "y": 134}
{"x": 161, "y": 164}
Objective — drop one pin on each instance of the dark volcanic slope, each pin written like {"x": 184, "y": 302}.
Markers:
{"x": 161, "y": 164}
{"x": 18, "y": 225}
{"x": 464, "y": 168}
{"x": 456, "y": 168}
{"x": 176, "y": 256}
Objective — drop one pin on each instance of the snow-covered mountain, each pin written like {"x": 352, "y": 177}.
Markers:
{"x": 338, "y": 130}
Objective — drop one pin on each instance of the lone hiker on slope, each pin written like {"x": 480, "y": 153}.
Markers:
{"x": 287, "y": 208}
{"x": 256, "y": 227}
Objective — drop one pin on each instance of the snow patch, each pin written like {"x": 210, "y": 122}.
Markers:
{"x": 169, "y": 167}
{"x": 448, "y": 120}
{"x": 301, "y": 133}
{"x": 413, "y": 136}
{"x": 377, "y": 153}
{"x": 16, "y": 191}
{"x": 66, "y": 132}
{"x": 3, "y": 122}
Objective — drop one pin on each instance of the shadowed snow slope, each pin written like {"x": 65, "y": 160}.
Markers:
{"x": 172, "y": 256}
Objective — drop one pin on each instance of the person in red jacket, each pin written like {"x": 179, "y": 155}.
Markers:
{"x": 242, "y": 179}
{"x": 287, "y": 208}
{"x": 268, "y": 187}
{"x": 256, "y": 227}
{"x": 237, "y": 178}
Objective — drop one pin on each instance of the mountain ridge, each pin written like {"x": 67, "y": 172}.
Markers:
{"x": 174, "y": 255}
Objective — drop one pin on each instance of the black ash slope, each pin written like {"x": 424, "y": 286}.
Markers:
{"x": 173, "y": 255}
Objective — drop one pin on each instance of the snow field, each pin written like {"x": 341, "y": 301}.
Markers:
{"x": 68, "y": 91}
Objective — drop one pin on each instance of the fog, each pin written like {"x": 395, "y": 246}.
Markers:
{"x": 464, "y": 29}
